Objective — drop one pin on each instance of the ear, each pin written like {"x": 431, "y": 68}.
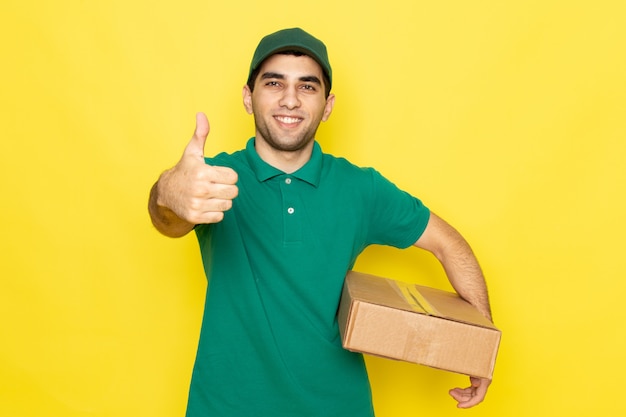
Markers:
{"x": 328, "y": 108}
{"x": 247, "y": 98}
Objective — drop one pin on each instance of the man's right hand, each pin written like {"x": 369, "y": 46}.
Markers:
{"x": 192, "y": 192}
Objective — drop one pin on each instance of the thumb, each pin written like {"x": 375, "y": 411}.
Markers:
{"x": 198, "y": 140}
{"x": 475, "y": 382}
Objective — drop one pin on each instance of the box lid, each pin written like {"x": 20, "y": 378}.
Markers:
{"x": 413, "y": 297}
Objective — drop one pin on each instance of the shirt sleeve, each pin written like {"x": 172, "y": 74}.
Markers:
{"x": 397, "y": 218}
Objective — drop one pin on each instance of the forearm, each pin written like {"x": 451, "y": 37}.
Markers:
{"x": 465, "y": 274}
{"x": 164, "y": 219}
{"x": 458, "y": 261}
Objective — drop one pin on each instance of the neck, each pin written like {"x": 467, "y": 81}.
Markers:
{"x": 287, "y": 161}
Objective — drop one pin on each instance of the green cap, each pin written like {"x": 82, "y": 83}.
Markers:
{"x": 294, "y": 39}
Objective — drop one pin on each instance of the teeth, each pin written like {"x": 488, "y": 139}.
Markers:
{"x": 288, "y": 119}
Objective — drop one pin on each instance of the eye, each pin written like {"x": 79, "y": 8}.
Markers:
{"x": 272, "y": 84}
{"x": 308, "y": 87}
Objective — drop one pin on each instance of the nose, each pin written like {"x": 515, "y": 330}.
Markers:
{"x": 290, "y": 98}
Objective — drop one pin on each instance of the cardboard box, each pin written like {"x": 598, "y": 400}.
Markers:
{"x": 418, "y": 324}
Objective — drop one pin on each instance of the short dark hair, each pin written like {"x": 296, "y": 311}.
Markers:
{"x": 255, "y": 73}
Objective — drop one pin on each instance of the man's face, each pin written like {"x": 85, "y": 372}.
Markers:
{"x": 288, "y": 102}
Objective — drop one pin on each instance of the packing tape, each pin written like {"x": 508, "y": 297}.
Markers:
{"x": 415, "y": 299}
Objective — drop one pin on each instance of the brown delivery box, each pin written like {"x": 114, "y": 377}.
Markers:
{"x": 396, "y": 320}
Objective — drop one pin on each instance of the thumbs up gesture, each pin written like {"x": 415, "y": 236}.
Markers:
{"x": 192, "y": 192}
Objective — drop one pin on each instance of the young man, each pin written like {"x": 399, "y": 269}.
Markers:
{"x": 279, "y": 225}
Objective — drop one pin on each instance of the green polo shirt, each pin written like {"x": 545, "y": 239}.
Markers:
{"x": 269, "y": 344}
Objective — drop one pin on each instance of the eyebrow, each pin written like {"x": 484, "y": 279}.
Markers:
{"x": 311, "y": 79}
{"x": 306, "y": 78}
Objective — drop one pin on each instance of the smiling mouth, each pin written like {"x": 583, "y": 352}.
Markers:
{"x": 288, "y": 120}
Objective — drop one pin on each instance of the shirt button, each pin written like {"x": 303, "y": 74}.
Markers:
{"x": 290, "y": 210}
{"x": 288, "y": 181}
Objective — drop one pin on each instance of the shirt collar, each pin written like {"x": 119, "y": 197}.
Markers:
{"x": 310, "y": 172}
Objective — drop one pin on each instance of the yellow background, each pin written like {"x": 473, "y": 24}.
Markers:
{"x": 505, "y": 117}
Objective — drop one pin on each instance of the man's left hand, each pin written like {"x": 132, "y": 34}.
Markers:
{"x": 472, "y": 395}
